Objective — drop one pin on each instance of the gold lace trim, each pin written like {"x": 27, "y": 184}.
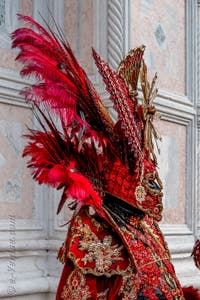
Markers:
{"x": 76, "y": 287}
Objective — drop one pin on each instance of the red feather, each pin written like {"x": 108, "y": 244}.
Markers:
{"x": 32, "y": 22}
{"x": 55, "y": 155}
{"x": 50, "y": 58}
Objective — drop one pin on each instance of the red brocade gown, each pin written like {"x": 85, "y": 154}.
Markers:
{"x": 124, "y": 258}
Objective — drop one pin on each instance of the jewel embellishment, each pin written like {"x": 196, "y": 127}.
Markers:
{"x": 140, "y": 193}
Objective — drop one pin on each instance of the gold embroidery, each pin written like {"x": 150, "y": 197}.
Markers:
{"x": 130, "y": 284}
{"x": 170, "y": 281}
{"x": 76, "y": 287}
{"x": 140, "y": 193}
{"x": 154, "y": 236}
{"x": 103, "y": 253}
{"x": 102, "y": 295}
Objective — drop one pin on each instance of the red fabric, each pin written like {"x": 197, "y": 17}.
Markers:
{"x": 120, "y": 183}
{"x": 145, "y": 271}
{"x": 191, "y": 293}
{"x": 96, "y": 286}
{"x": 94, "y": 247}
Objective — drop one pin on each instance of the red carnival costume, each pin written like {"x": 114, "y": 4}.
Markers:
{"x": 114, "y": 248}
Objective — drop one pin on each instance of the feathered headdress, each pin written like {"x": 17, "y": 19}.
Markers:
{"x": 89, "y": 155}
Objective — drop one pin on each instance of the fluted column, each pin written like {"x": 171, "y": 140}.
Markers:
{"x": 198, "y": 116}
{"x": 118, "y": 29}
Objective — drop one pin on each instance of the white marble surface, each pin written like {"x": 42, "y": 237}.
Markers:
{"x": 160, "y": 26}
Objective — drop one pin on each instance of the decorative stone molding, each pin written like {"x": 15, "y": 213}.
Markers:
{"x": 118, "y": 30}
{"x": 100, "y": 28}
{"x": 191, "y": 92}
{"x": 175, "y": 107}
{"x": 115, "y": 32}
{"x": 26, "y": 287}
{"x": 11, "y": 83}
{"x": 198, "y": 112}
{"x": 22, "y": 267}
{"x": 9, "y": 22}
{"x": 191, "y": 50}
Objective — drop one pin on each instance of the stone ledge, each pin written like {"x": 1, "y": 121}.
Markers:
{"x": 25, "y": 287}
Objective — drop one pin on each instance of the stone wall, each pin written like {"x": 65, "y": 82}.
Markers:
{"x": 30, "y": 231}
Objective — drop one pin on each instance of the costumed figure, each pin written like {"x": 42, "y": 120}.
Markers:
{"x": 196, "y": 253}
{"x": 107, "y": 170}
